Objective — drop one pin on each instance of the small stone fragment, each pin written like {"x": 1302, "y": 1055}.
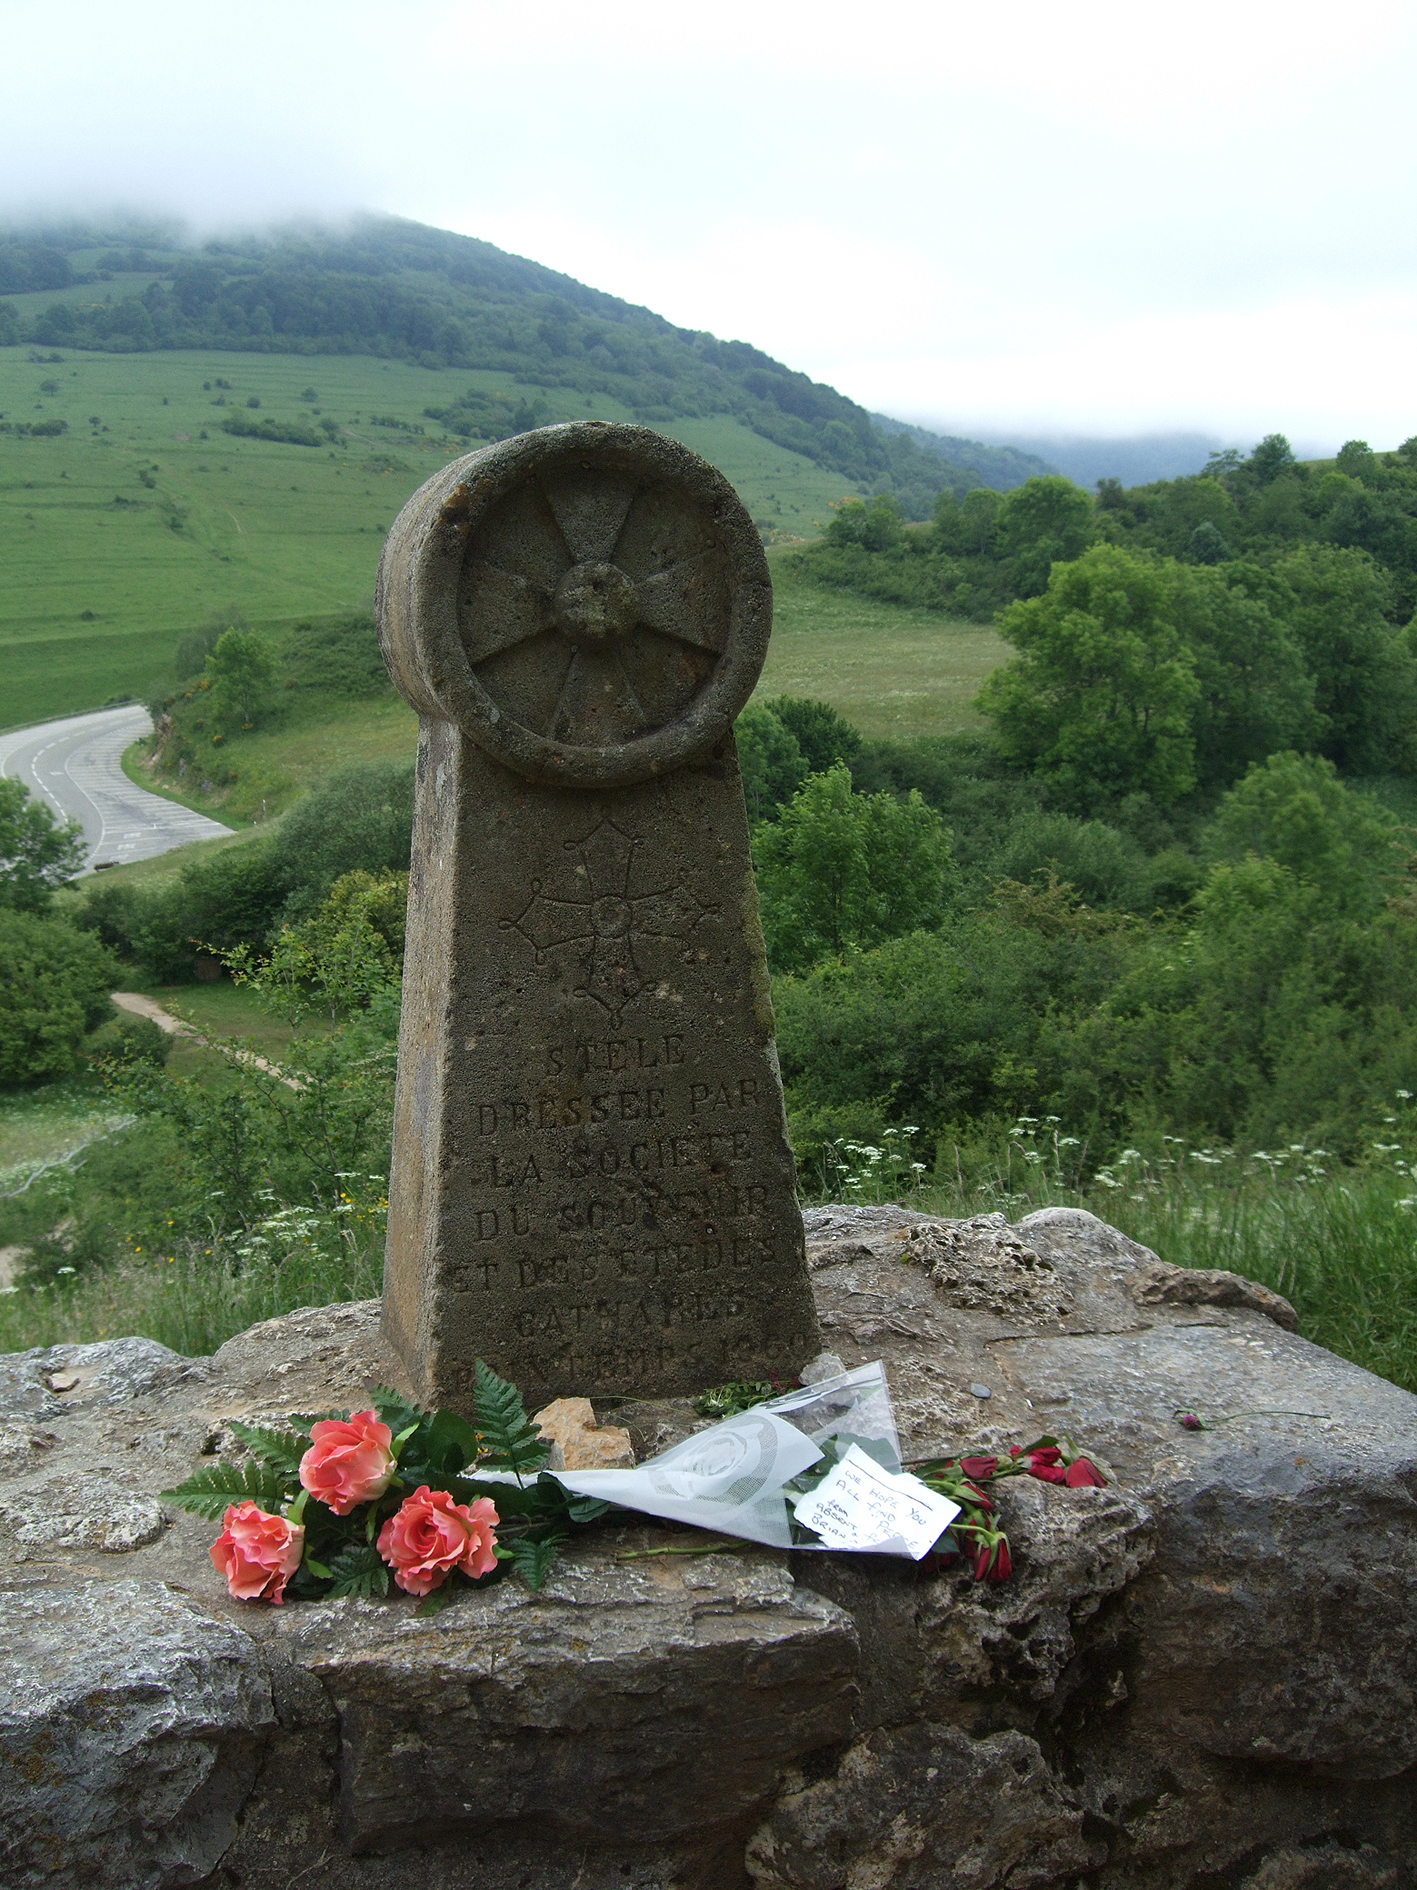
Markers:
{"x": 63, "y": 1381}
{"x": 570, "y": 1426}
{"x": 825, "y": 1365}
{"x": 981, "y": 1391}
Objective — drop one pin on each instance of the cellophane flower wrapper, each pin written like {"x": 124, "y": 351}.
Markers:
{"x": 743, "y": 1477}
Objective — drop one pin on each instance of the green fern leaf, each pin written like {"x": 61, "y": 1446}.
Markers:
{"x": 394, "y": 1409}
{"x": 508, "y": 1440}
{"x": 209, "y": 1492}
{"x": 533, "y": 1558}
{"x": 282, "y": 1450}
{"x": 359, "y": 1571}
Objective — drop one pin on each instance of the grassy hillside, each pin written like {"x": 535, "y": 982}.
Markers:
{"x": 232, "y": 429}
{"x": 386, "y": 287}
{"x": 120, "y": 535}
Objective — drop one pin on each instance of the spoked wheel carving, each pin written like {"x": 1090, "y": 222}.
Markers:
{"x": 594, "y": 602}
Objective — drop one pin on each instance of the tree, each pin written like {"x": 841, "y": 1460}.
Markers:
{"x": 1042, "y": 523}
{"x": 966, "y": 527}
{"x": 37, "y": 853}
{"x": 1270, "y": 459}
{"x": 190, "y": 656}
{"x": 54, "y": 991}
{"x": 823, "y": 735}
{"x": 876, "y": 527}
{"x": 242, "y": 674}
{"x": 1101, "y": 697}
{"x": 770, "y": 760}
{"x": 841, "y": 869}
{"x": 1357, "y": 460}
{"x": 1206, "y": 546}
{"x": 1365, "y": 674}
{"x": 1256, "y": 693}
{"x": 1294, "y": 811}
{"x": 347, "y": 954}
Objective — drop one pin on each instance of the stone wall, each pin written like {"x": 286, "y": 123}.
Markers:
{"x": 1198, "y": 1678}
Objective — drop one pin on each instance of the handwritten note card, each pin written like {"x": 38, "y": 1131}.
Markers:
{"x": 859, "y": 1505}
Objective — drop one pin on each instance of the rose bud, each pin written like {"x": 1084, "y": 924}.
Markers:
{"x": 432, "y": 1535}
{"x": 1082, "y": 1475}
{"x": 1188, "y": 1421}
{"x": 257, "y": 1553}
{"x": 992, "y": 1562}
{"x": 979, "y": 1466}
{"x": 350, "y": 1461}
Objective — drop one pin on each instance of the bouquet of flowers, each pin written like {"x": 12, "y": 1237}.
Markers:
{"x": 337, "y": 1504}
{"x": 341, "y": 1503}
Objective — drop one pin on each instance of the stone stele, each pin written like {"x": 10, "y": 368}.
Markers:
{"x": 592, "y": 1187}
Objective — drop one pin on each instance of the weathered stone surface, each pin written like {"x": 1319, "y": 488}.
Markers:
{"x": 591, "y": 1184}
{"x": 94, "y": 1515}
{"x": 130, "y": 1731}
{"x": 39, "y": 1383}
{"x": 1199, "y": 1678}
{"x": 652, "y": 1699}
{"x": 877, "y": 1820}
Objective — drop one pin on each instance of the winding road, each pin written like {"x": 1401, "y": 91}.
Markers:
{"x": 75, "y": 767}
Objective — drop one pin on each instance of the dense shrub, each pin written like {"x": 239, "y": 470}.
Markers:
{"x": 54, "y": 990}
{"x": 359, "y": 819}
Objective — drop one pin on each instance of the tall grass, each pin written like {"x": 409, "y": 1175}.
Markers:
{"x": 1340, "y": 1244}
{"x": 191, "y": 1300}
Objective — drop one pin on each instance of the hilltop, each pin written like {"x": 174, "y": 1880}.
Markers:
{"x": 400, "y": 291}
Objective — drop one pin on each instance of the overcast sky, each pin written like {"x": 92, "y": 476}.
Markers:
{"x": 1106, "y": 219}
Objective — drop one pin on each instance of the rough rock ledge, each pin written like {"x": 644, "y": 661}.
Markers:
{"x": 1199, "y": 1678}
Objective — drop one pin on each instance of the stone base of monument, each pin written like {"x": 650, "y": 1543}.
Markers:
{"x": 1199, "y": 1678}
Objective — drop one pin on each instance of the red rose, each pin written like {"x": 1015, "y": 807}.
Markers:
{"x": 979, "y": 1466}
{"x": 257, "y": 1553}
{"x": 1082, "y": 1475}
{"x": 432, "y": 1535}
{"x": 992, "y": 1562}
{"x": 1045, "y": 1464}
{"x": 350, "y": 1461}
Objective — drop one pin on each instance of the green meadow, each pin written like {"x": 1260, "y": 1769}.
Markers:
{"x": 891, "y": 670}
{"x": 144, "y": 517}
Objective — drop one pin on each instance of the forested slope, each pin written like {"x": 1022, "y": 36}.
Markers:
{"x": 387, "y": 287}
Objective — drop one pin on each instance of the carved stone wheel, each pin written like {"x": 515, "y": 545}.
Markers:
{"x": 590, "y": 603}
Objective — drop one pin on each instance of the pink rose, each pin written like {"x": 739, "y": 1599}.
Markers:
{"x": 257, "y": 1553}
{"x": 349, "y": 1461}
{"x": 432, "y": 1535}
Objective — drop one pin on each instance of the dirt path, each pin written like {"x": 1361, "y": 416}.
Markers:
{"x": 139, "y": 1006}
